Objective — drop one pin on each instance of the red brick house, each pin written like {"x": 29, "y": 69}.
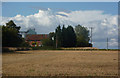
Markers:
{"x": 36, "y": 39}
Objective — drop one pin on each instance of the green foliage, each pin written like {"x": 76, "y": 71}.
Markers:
{"x": 25, "y": 44}
{"x": 71, "y": 37}
{"x": 82, "y": 34}
{"x": 58, "y": 34}
{"x": 47, "y": 42}
{"x": 10, "y": 35}
{"x": 65, "y": 37}
{"x": 11, "y": 24}
{"x": 81, "y": 42}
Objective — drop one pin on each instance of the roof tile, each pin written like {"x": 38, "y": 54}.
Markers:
{"x": 36, "y": 37}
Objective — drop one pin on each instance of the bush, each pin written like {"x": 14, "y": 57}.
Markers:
{"x": 47, "y": 42}
{"x": 25, "y": 44}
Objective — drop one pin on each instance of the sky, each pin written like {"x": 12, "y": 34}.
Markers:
{"x": 27, "y": 8}
{"x": 46, "y": 16}
{"x": 60, "y": 0}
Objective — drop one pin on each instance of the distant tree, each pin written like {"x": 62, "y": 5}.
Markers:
{"x": 49, "y": 41}
{"x": 58, "y": 36}
{"x": 81, "y": 42}
{"x": 64, "y": 36}
{"x": 82, "y": 34}
{"x": 11, "y": 24}
{"x": 71, "y": 37}
{"x": 10, "y": 35}
{"x": 67, "y": 37}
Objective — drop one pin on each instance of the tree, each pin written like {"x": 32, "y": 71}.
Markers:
{"x": 64, "y": 36}
{"x": 46, "y": 42}
{"x": 11, "y": 24}
{"x": 71, "y": 37}
{"x": 58, "y": 36}
{"x": 49, "y": 41}
{"x": 82, "y": 36}
{"x": 10, "y": 35}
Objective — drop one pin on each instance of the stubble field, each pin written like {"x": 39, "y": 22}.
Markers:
{"x": 60, "y": 63}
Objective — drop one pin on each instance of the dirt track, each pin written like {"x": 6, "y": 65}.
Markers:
{"x": 70, "y": 63}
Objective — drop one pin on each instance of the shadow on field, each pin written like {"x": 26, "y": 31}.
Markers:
{"x": 14, "y": 52}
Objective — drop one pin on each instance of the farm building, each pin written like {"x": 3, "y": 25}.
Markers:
{"x": 36, "y": 39}
{"x": 33, "y": 38}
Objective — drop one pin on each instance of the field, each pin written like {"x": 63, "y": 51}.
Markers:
{"x": 60, "y": 63}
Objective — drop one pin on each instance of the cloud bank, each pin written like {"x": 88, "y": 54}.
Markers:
{"x": 105, "y": 25}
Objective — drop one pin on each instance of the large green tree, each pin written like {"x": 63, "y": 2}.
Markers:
{"x": 71, "y": 37}
{"x": 10, "y": 35}
{"x": 65, "y": 37}
{"x": 82, "y": 36}
{"x": 58, "y": 36}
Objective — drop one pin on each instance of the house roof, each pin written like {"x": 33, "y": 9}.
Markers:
{"x": 36, "y": 37}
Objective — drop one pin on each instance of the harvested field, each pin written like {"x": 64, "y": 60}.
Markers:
{"x": 60, "y": 63}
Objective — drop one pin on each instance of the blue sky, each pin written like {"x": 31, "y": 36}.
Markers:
{"x": 10, "y": 9}
{"x": 46, "y": 16}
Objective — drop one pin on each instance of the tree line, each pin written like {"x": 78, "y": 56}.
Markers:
{"x": 69, "y": 37}
{"x": 62, "y": 37}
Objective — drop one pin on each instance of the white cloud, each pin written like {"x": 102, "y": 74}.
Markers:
{"x": 105, "y": 25}
{"x": 113, "y": 42}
